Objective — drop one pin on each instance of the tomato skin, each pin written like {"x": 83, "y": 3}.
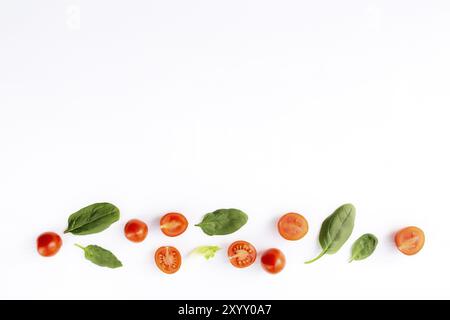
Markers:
{"x": 273, "y": 260}
{"x": 410, "y": 240}
{"x": 292, "y": 226}
{"x": 48, "y": 244}
{"x": 242, "y": 254}
{"x": 136, "y": 230}
{"x": 173, "y": 224}
{"x": 168, "y": 259}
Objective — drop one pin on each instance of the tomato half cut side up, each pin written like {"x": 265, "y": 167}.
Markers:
{"x": 242, "y": 254}
{"x": 410, "y": 240}
{"x": 292, "y": 226}
{"x": 173, "y": 224}
{"x": 168, "y": 259}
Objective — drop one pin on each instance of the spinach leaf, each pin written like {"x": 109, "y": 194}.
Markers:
{"x": 223, "y": 222}
{"x": 364, "y": 247}
{"x": 93, "y": 219}
{"x": 336, "y": 229}
{"x": 100, "y": 256}
{"x": 206, "y": 251}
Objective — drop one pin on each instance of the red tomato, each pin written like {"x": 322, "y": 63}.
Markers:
{"x": 168, "y": 259}
{"x": 241, "y": 254}
{"x": 410, "y": 240}
{"x": 48, "y": 244}
{"x": 136, "y": 230}
{"x": 273, "y": 260}
{"x": 292, "y": 226}
{"x": 173, "y": 224}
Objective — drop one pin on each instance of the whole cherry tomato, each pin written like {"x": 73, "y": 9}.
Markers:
{"x": 273, "y": 260}
{"x": 48, "y": 244}
{"x": 136, "y": 230}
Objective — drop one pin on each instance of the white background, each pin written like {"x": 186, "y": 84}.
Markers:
{"x": 267, "y": 106}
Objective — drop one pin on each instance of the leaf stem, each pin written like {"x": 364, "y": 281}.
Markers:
{"x": 79, "y": 246}
{"x": 317, "y": 258}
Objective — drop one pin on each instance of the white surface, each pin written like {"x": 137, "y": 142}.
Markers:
{"x": 268, "y": 106}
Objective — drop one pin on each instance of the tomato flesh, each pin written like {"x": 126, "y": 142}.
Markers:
{"x": 273, "y": 261}
{"x": 410, "y": 240}
{"x": 136, "y": 230}
{"x": 292, "y": 226}
{"x": 168, "y": 259}
{"x": 242, "y": 254}
{"x": 48, "y": 244}
{"x": 173, "y": 224}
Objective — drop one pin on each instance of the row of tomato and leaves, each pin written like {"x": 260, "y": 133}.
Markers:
{"x": 334, "y": 233}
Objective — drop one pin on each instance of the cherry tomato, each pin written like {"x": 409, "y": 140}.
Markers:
{"x": 241, "y": 254}
{"x": 168, "y": 259}
{"x": 48, "y": 244}
{"x": 173, "y": 224}
{"x": 292, "y": 226}
{"x": 410, "y": 240}
{"x": 273, "y": 260}
{"x": 136, "y": 230}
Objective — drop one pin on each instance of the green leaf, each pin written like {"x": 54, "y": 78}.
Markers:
{"x": 100, "y": 256}
{"x": 206, "y": 251}
{"x": 93, "y": 219}
{"x": 364, "y": 247}
{"x": 223, "y": 222}
{"x": 336, "y": 229}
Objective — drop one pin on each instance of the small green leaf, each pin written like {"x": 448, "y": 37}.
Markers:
{"x": 93, "y": 219}
{"x": 364, "y": 247}
{"x": 336, "y": 229}
{"x": 206, "y": 251}
{"x": 223, "y": 222}
{"x": 100, "y": 256}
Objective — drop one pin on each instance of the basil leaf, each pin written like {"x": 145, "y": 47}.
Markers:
{"x": 93, "y": 219}
{"x": 100, "y": 256}
{"x": 336, "y": 229}
{"x": 223, "y": 222}
{"x": 364, "y": 247}
{"x": 206, "y": 251}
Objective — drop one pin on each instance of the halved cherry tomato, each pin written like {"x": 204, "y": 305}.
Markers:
{"x": 168, "y": 259}
{"x": 48, "y": 244}
{"x": 273, "y": 260}
{"x": 292, "y": 226}
{"x": 173, "y": 224}
{"x": 241, "y": 254}
{"x": 136, "y": 230}
{"x": 410, "y": 240}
